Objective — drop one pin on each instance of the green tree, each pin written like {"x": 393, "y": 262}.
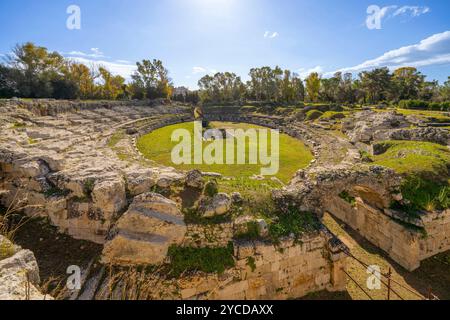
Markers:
{"x": 38, "y": 67}
{"x": 376, "y": 84}
{"x": 221, "y": 88}
{"x": 84, "y": 78}
{"x": 329, "y": 89}
{"x": 444, "y": 91}
{"x": 111, "y": 86}
{"x": 9, "y": 82}
{"x": 151, "y": 81}
{"x": 313, "y": 86}
{"x": 407, "y": 83}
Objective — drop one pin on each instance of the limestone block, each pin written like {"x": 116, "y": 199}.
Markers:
{"x": 194, "y": 179}
{"x": 109, "y": 197}
{"x": 244, "y": 250}
{"x": 219, "y": 205}
{"x": 16, "y": 272}
{"x": 145, "y": 232}
{"x": 140, "y": 181}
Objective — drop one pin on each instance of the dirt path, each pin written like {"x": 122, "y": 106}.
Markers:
{"x": 333, "y": 150}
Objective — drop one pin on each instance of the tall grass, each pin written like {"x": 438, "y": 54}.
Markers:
{"x": 8, "y": 223}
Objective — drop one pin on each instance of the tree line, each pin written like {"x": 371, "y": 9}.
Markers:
{"x": 285, "y": 87}
{"x": 31, "y": 71}
{"x": 34, "y": 72}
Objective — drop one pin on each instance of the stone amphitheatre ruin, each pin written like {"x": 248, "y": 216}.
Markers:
{"x": 56, "y": 158}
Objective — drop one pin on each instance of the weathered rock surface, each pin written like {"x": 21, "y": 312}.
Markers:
{"x": 369, "y": 126}
{"x": 19, "y": 273}
{"x": 219, "y": 205}
{"x": 57, "y": 160}
{"x": 145, "y": 232}
{"x": 434, "y": 135}
{"x": 316, "y": 189}
{"x": 241, "y": 226}
{"x": 363, "y": 125}
{"x": 194, "y": 179}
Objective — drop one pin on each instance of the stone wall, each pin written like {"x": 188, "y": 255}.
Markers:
{"x": 56, "y": 162}
{"x": 370, "y": 191}
{"x": 437, "y": 239}
{"x": 263, "y": 271}
{"x": 404, "y": 242}
{"x": 211, "y": 235}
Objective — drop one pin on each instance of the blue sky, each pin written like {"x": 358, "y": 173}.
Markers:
{"x": 195, "y": 37}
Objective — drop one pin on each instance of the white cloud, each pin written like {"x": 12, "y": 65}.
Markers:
{"x": 196, "y": 70}
{"x": 414, "y": 11}
{"x": 123, "y": 69}
{"x": 434, "y": 50}
{"x": 378, "y": 14}
{"x": 97, "y": 51}
{"x": 94, "y": 53}
{"x": 200, "y": 70}
{"x": 304, "y": 73}
{"x": 271, "y": 35}
{"x": 96, "y": 57}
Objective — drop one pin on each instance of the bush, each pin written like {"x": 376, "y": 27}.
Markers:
{"x": 424, "y": 105}
{"x": 252, "y": 232}
{"x": 445, "y": 106}
{"x": 344, "y": 195}
{"x": 331, "y": 115}
{"x": 424, "y": 194}
{"x": 293, "y": 222}
{"x": 313, "y": 115}
{"x": 211, "y": 188}
{"x": 435, "y": 106}
{"x": 209, "y": 260}
{"x": 413, "y": 104}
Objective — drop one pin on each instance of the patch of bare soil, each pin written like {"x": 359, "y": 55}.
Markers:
{"x": 55, "y": 252}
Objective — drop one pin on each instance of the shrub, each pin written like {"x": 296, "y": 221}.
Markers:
{"x": 251, "y": 262}
{"x": 313, "y": 115}
{"x": 293, "y": 222}
{"x": 252, "y": 232}
{"x": 209, "y": 260}
{"x": 424, "y": 105}
{"x": 6, "y": 249}
{"x": 423, "y": 194}
{"x": 413, "y": 104}
{"x": 331, "y": 115}
{"x": 344, "y": 195}
{"x": 435, "y": 106}
{"x": 211, "y": 188}
{"x": 445, "y": 106}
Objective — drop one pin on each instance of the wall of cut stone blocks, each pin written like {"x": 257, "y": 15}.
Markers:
{"x": 407, "y": 246}
{"x": 211, "y": 235}
{"x": 290, "y": 270}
